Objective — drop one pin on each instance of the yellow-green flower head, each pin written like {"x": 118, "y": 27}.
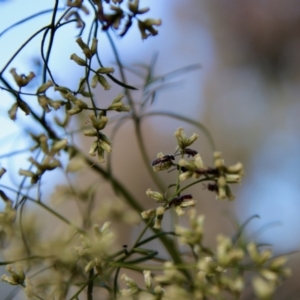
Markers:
{"x": 171, "y": 275}
{"x": 258, "y": 257}
{"x": 100, "y": 122}
{"x": 147, "y": 279}
{"x": 79, "y": 61}
{"x": 132, "y": 286}
{"x": 21, "y": 80}
{"x": 226, "y": 253}
{"x": 191, "y": 166}
{"x": 155, "y": 195}
{"x": 194, "y": 235}
{"x": 263, "y": 289}
{"x": 207, "y": 265}
{"x": 147, "y": 214}
{"x": 44, "y": 87}
{"x": 182, "y": 140}
{"x": 118, "y": 105}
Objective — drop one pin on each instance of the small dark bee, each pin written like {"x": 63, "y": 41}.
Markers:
{"x": 125, "y": 247}
{"x": 213, "y": 187}
{"x": 190, "y": 152}
{"x": 182, "y": 169}
{"x": 178, "y": 200}
{"x": 164, "y": 159}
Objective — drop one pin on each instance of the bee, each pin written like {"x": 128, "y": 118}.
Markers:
{"x": 182, "y": 169}
{"x": 190, "y": 152}
{"x": 164, "y": 159}
{"x": 213, "y": 187}
{"x": 179, "y": 199}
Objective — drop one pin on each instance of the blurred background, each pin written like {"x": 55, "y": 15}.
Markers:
{"x": 246, "y": 93}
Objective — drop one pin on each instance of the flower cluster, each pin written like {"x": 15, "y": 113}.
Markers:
{"x": 49, "y": 161}
{"x": 75, "y": 257}
{"x": 67, "y": 254}
{"x": 117, "y": 14}
{"x": 178, "y": 203}
{"x": 219, "y": 176}
{"x": 215, "y": 268}
{"x": 219, "y": 273}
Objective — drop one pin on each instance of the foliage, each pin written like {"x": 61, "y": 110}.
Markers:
{"x": 83, "y": 258}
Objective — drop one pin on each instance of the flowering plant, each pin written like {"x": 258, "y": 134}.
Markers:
{"x": 83, "y": 259}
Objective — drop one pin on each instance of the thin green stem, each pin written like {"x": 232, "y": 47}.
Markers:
{"x": 121, "y": 70}
{"x": 90, "y": 285}
{"x": 9, "y": 262}
{"x": 83, "y": 287}
{"x": 145, "y": 157}
{"x": 185, "y": 119}
{"x": 143, "y": 232}
{"x": 188, "y": 186}
{"x": 52, "y": 28}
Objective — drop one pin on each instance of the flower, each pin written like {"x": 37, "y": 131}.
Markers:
{"x": 182, "y": 140}
{"x": 155, "y": 195}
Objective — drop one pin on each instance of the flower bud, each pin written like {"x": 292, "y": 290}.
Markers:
{"x": 59, "y": 145}
{"x": 191, "y": 139}
{"x": 23, "y": 105}
{"x": 75, "y": 110}
{"x": 157, "y": 223}
{"x": 26, "y": 173}
{"x": 43, "y": 102}
{"x": 94, "y": 46}
{"x": 106, "y": 70}
{"x": 81, "y": 104}
{"x": 21, "y": 80}
{"x": 100, "y": 153}
{"x": 13, "y": 111}
{"x": 100, "y": 123}
{"x": 263, "y": 289}
{"x": 105, "y": 146}
{"x": 90, "y": 265}
{"x": 29, "y": 289}
{"x": 148, "y": 214}
{"x": 9, "y": 280}
{"x": 81, "y": 43}
{"x": 236, "y": 169}
{"x": 93, "y": 148}
{"x": 78, "y": 60}
{"x": 233, "y": 178}
{"x": 44, "y": 87}
{"x": 148, "y": 279}
{"x": 155, "y": 195}
{"x": 269, "y": 275}
{"x": 90, "y": 132}
{"x": 94, "y": 81}
{"x": 56, "y": 104}
{"x": 64, "y": 90}
{"x": 278, "y": 263}
{"x": 102, "y": 80}
{"x": 131, "y": 284}
{"x": 2, "y": 171}
{"x": 179, "y": 211}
